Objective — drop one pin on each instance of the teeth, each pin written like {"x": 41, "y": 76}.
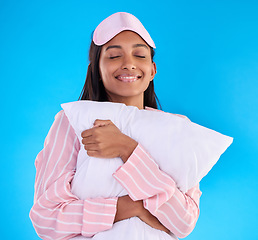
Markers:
{"x": 127, "y": 78}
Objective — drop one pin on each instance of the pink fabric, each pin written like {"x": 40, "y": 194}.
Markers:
{"x": 57, "y": 213}
{"x": 143, "y": 180}
{"x": 117, "y": 23}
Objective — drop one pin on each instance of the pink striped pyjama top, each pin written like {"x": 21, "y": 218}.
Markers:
{"x": 59, "y": 214}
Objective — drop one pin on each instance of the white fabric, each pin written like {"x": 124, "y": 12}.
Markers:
{"x": 184, "y": 150}
{"x": 131, "y": 229}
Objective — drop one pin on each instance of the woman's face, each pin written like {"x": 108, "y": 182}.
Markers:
{"x": 126, "y": 68}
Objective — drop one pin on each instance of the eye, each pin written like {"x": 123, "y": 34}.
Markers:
{"x": 140, "y": 56}
{"x": 113, "y": 57}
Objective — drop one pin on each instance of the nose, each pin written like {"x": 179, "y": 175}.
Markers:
{"x": 128, "y": 63}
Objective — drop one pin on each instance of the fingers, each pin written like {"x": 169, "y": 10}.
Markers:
{"x": 97, "y": 142}
{"x": 88, "y": 140}
{"x": 87, "y": 133}
{"x": 97, "y": 123}
{"x": 92, "y": 150}
{"x": 101, "y": 123}
{"x": 91, "y": 147}
{"x": 92, "y": 153}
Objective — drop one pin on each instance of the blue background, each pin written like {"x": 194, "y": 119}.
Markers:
{"x": 207, "y": 59}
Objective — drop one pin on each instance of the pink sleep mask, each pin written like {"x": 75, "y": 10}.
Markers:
{"x": 117, "y": 23}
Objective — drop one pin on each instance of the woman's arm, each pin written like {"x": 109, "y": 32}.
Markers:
{"x": 57, "y": 213}
{"x": 142, "y": 178}
{"x": 127, "y": 208}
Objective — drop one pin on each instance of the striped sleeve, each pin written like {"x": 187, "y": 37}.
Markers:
{"x": 142, "y": 178}
{"x": 57, "y": 213}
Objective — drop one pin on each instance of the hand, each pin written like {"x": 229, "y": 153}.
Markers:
{"x": 105, "y": 140}
{"x": 152, "y": 221}
{"x": 127, "y": 208}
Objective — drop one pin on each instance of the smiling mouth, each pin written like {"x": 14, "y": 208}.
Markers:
{"x": 128, "y": 78}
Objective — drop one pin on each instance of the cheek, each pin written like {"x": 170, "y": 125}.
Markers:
{"x": 147, "y": 69}
{"x": 106, "y": 70}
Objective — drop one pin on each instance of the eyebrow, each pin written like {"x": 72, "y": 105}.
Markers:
{"x": 113, "y": 46}
{"x": 140, "y": 45}
{"x": 134, "y": 46}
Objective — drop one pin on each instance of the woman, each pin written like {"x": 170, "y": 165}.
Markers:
{"x": 121, "y": 70}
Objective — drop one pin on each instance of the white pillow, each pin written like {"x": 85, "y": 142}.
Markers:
{"x": 184, "y": 150}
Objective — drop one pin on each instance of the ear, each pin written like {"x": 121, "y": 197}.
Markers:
{"x": 153, "y": 71}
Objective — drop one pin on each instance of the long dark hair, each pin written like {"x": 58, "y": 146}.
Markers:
{"x": 94, "y": 89}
